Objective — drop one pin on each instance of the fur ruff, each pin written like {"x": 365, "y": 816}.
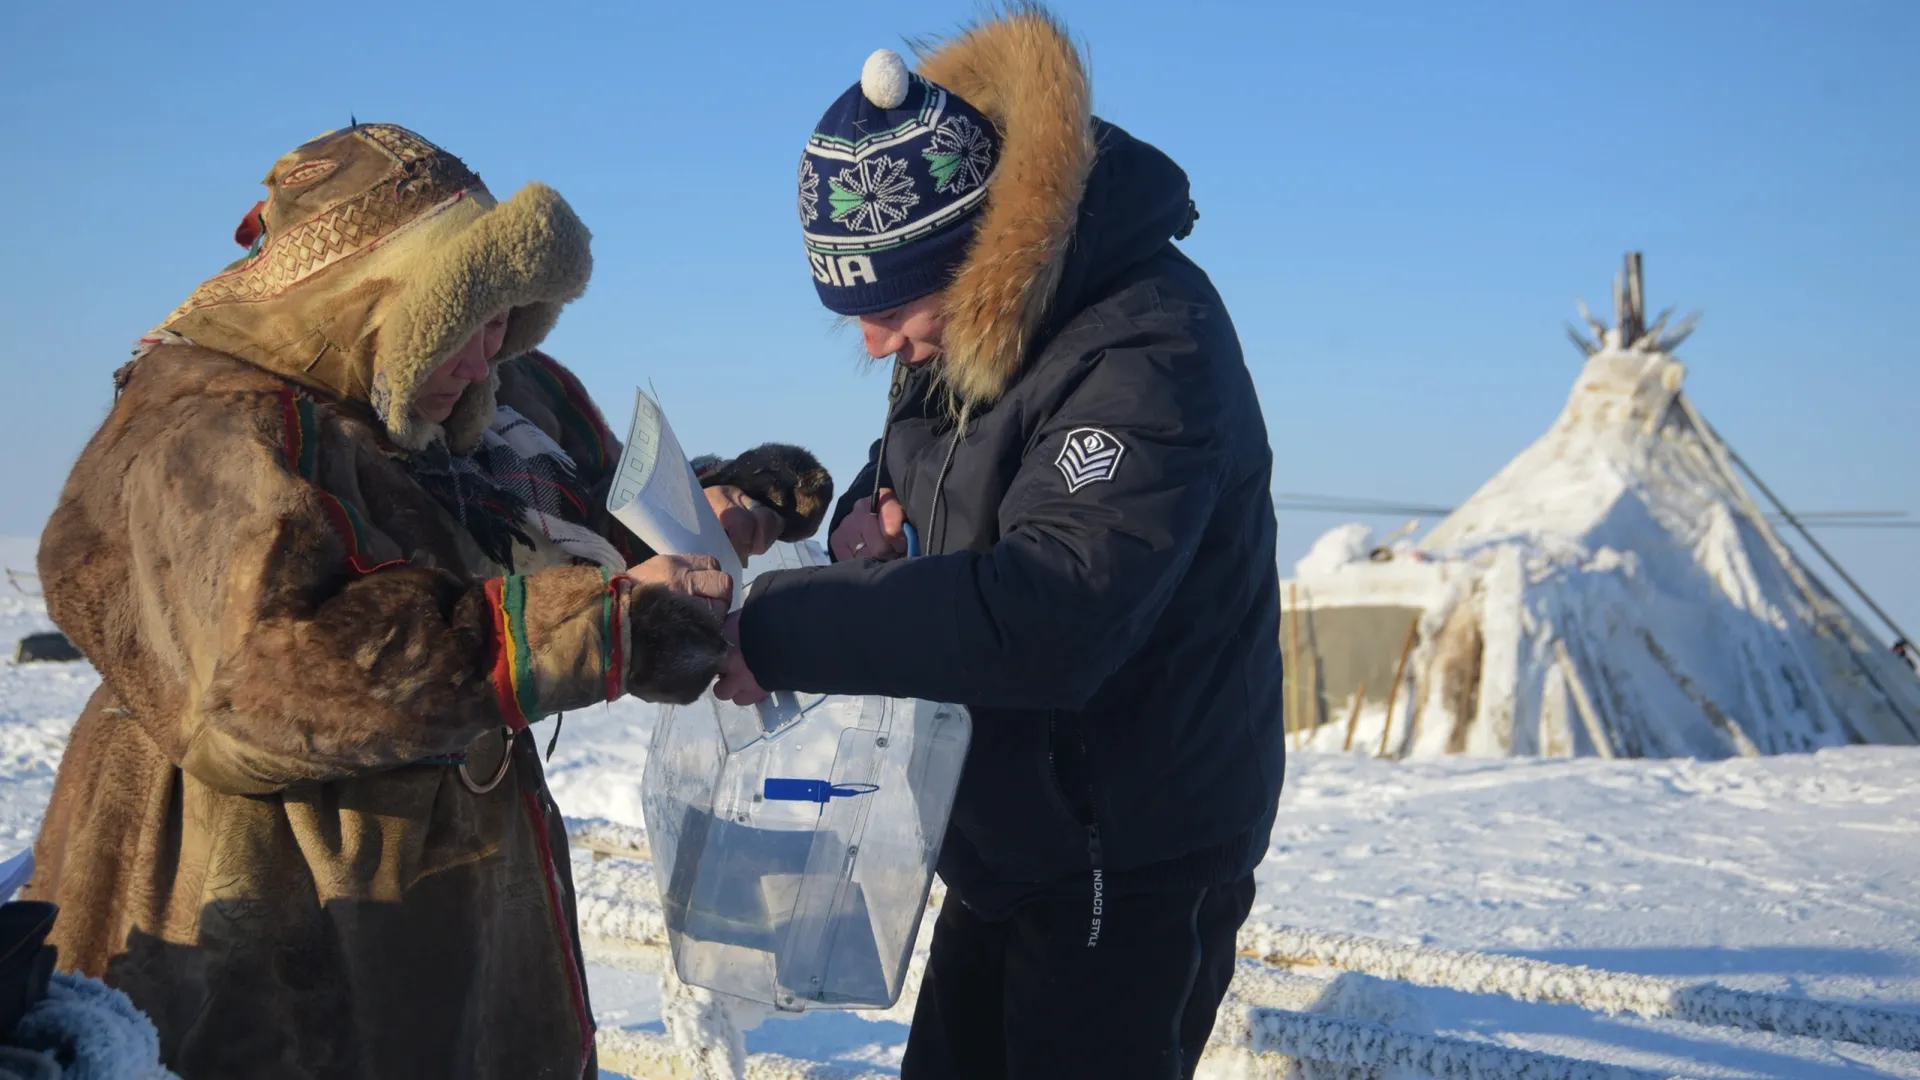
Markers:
{"x": 677, "y": 646}
{"x": 381, "y": 255}
{"x": 1023, "y": 72}
{"x": 529, "y": 255}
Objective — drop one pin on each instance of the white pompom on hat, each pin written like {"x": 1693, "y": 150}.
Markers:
{"x": 883, "y": 79}
{"x": 890, "y": 188}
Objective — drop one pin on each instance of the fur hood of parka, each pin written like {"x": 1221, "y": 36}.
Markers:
{"x": 1023, "y": 72}
{"x": 374, "y": 256}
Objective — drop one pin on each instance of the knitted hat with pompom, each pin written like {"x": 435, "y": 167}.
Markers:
{"x": 891, "y": 185}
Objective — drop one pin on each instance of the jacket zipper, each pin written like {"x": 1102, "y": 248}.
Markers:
{"x": 894, "y": 392}
{"x": 895, "y": 388}
{"x": 940, "y": 486}
{"x": 1095, "y": 856}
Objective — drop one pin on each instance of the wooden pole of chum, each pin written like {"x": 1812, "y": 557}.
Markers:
{"x": 1715, "y": 715}
{"x": 1633, "y": 321}
{"x": 1393, "y": 692}
{"x": 1582, "y": 704}
{"x": 1353, "y": 718}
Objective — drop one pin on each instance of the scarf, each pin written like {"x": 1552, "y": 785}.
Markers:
{"x": 516, "y": 485}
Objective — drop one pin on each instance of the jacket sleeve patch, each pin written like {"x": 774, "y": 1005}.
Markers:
{"x": 1089, "y": 456}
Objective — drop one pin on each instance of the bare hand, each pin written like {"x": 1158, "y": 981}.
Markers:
{"x": 737, "y": 684}
{"x": 863, "y": 534}
{"x": 698, "y": 576}
{"x": 751, "y": 525}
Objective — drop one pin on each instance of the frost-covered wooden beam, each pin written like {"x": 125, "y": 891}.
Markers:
{"x": 617, "y": 903}
{"x": 1589, "y": 988}
{"x": 653, "y": 1056}
{"x": 1370, "y": 1048}
{"x": 608, "y": 839}
{"x": 1256, "y": 1036}
{"x": 622, "y": 924}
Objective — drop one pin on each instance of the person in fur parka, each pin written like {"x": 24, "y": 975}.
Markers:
{"x": 338, "y": 545}
{"x": 1066, "y": 526}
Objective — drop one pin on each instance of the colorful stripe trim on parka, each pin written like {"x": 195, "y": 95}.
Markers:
{"x": 536, "y": 814}
{"x": 513, "y": 681}
{"x": 301, "y": 431}
{"x": 613, "y": 632}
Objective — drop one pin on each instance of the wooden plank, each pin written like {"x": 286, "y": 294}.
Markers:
{"x": 1399, "y": 674}
{"x": 1353, "y": 718}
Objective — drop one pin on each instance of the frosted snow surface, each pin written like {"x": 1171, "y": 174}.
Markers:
{"x": 1624, "y": 539}
{"x": 1791, "y": 874}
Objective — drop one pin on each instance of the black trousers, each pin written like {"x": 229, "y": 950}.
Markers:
{"x": 1043, "y": 993}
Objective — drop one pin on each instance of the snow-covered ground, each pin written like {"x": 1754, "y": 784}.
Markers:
{"x": 1794, "y": 874}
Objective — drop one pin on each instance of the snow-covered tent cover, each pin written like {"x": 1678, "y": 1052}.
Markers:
{"x": 1614, "y": 590}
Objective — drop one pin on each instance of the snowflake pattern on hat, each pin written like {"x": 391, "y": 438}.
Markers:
{"x": 960, "y": 155}
{"x": 890, "y": 188}
{"x": 809, "y": 193}
{"x": 873, "y": 195}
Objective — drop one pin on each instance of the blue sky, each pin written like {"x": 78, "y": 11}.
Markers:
{"x": 1400, "y": 202}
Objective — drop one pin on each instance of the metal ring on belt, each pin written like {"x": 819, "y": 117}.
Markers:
{"x": 506, "y": 762}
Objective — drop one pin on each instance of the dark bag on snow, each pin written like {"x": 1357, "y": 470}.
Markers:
{"x": 50, "y": 647}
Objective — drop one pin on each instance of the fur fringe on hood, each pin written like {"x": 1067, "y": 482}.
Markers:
{"x": 1022, "y": 71}
{"x": 377, "y": 256}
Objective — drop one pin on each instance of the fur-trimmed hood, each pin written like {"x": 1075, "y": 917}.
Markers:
{"x": 375, "y": 255}
{"x": 1024, "y": 73}
{"x": 1074, "y": 202}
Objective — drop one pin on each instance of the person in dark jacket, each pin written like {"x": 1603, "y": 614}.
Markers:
{"x": 1074, "y": 444}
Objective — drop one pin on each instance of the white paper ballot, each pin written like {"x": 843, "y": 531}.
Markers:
{"x": 656, "y": 495}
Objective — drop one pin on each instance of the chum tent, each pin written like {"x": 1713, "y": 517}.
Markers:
{"x": 1614, "y": 590}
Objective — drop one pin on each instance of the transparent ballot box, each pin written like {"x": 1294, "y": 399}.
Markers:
{"x": 794, "y": 843}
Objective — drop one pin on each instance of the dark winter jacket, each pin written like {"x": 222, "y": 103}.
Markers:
{"x": 1099, "y": 580}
